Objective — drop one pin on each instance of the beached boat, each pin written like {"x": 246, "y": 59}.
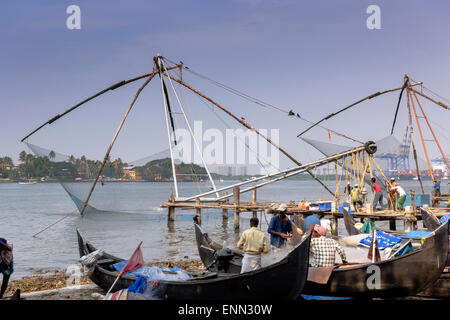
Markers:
{"x": 400, "y": 276}
{"x": 405, "y": 275}
{"x": 286, "y": 277}
{"x": 349, "y": 223}
{"x": 441, "y": 287}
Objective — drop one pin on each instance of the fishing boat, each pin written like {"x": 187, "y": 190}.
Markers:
{"x": 400, "y": 276}
{"x": 286, "y": 277}
{"x": 441, "y": 287}
{"x": 211, "y": 251}
{"x": 349, "y": 223}
{"x": 27, "y": 182}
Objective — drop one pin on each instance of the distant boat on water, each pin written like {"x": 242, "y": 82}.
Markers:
{"x": 27, "y": 182}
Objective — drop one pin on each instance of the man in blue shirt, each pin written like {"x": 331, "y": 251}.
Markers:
{"x": 310, "y": 221}
{"x": 280, "y": 228}
{"x": 437, "y": 188}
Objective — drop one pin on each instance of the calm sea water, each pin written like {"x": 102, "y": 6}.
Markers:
{"x": 27, "y": 209}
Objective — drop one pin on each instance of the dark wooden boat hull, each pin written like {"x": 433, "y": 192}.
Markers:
{"x": 207, "y": 248}
{"x": 402, "y": 276}
{"x": 349, "y": 223}
{"x": 286, "y": 277}
{"x": 103, "y": 275}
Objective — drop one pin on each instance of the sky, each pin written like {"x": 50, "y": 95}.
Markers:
{"x": 314, "y": 57}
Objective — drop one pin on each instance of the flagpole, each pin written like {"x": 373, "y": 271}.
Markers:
{"x": 120, "y": 273}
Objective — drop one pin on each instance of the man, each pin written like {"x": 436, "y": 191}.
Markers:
{"x": 324, "y": 249}
{"x": 280, "y": 228}
{"x": 401, "y": 196}
{"x": 437, "y": 188}
{"x": 378, "y": 198}
{"x": 356, "y": 197}
{"x": 311, "y": 221}
{"x": 6, "y": 264}
{"x": 348, "y": 190}
{"x": 253, "y": 242}
{"x": 392, "y": 195}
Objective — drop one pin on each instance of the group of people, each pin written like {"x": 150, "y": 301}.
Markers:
{"x": 254, "y": 242}
{"x": 397, "y": 195}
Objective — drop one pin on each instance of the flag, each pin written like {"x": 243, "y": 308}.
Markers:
{"x": 136, "y": 260}
{"x": 329, "y": 135}
{"x": 374, "y": 252}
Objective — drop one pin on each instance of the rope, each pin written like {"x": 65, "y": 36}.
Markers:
{"x": 260, "y": 102}
{"x": 51, "y": 225}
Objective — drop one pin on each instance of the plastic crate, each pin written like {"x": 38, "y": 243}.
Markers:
{"x": 325, "y": 206}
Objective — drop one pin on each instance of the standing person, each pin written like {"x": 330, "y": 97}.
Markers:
{"x": 356, "y": 197}
{"x": 401, "y": 196}
{"x": 253, "y": 242}
{"x": 348, "y": 190}
{"x": 392, "y": 194}
{"x": 6, "y": 263}
{"x": 324, "y": 249}
{"x": 437, "y": 188}
{"x": 378, "y": 197}
{"x": 364, "y": 194}
{"x": 280, "y": 228}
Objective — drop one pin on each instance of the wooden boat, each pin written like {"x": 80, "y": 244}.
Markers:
{"x": 405, "y": 275}
{"x": 441, "y": 287}
{"x": 349, "y": 223}
{"x": 286, "y": 277}
{"x": 400, "y": 276}
{"x": 209, "y": 252}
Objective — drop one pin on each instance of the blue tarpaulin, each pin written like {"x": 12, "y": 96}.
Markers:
{"x": 384, "y": 240}
{"x": 418, "y": 233}
{"x": 444, "y": 219}
{"x": 139, "y": 285}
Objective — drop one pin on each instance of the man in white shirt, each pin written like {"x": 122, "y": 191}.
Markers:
{"x": 401, "y": 196}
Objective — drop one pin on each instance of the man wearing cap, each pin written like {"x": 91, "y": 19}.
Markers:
{"x": 324, "y": 249}
{"x": 280, "y": 228}
{"x": 401, "y": 196}
{"x": 253, "y": 242}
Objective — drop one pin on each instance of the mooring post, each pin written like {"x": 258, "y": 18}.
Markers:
{"x": 254, "y": 202}
{"x": 198, "y": 211}
{"x": 171, "y": 213}
{"x": 224, "y": 210}
{"x": 236, "y": 198}
{"x": 408, "y": 223}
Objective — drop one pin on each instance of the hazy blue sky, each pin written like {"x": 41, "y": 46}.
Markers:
{"x": 312, "y": 56}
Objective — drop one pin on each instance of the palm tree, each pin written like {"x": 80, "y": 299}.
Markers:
{"x": 52, "y": 155}
{"x": 22, "y": 156}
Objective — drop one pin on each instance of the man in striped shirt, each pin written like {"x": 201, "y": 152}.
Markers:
{"x": 324, "y": 249}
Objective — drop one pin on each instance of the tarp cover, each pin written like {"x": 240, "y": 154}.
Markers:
{"x": 384, "y": 240}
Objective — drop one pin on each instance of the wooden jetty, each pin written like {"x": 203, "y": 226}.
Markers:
{"x": 409, "y": 218}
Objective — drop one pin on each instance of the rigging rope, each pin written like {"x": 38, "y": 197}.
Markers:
{"x": 262, "y": 103}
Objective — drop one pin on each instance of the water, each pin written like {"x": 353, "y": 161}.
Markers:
{"x": 27, "y": 209}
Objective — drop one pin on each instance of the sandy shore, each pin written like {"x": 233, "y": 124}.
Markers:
{"x": 52, "y": 284}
